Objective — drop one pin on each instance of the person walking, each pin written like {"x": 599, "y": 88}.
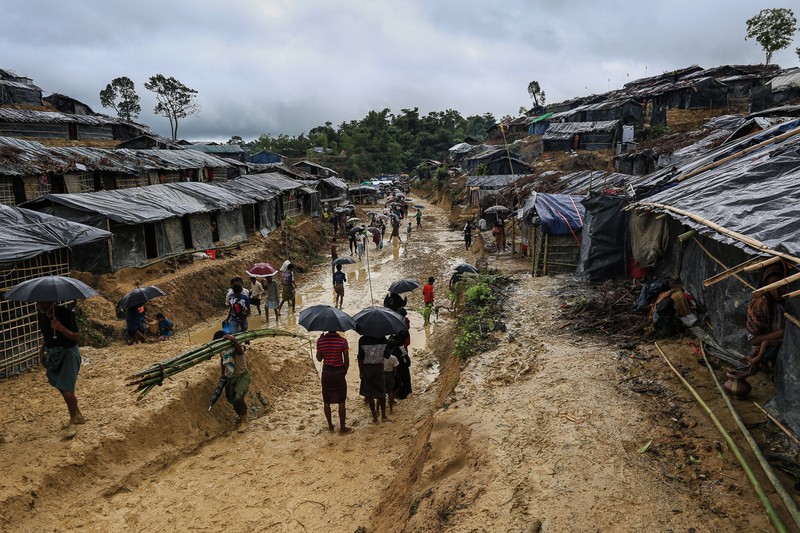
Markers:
{"x": 60, "y": 355}
{"x": 361, "y": 247}
{"x": 237, "y": 377}
{"x": 468, "y": 227}
{"x": 418, "y": 216}
{"x": 371, "y": 353}
{"x": 273, "y": 295}
{"x": 288, "y": 286}
{"x": 403, "y": 377}
{"x": 334, "y": 352}
{"x": 238, "y": 310}
{"x": 256, "y": 290}
{"x": 339, "y": 279}
{"x": 427, "y": 297}
{"x": 395, "y": 228}
{"x": 352, "y": 241}
{"x": 408, "y": 231}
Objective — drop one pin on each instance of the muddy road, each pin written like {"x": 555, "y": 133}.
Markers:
{"x": 538, "y": 429}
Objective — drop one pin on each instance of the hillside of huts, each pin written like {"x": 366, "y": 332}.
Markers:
{"x": 685, "y": 181}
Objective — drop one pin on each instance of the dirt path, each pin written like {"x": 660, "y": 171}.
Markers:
{"x": 544, "y": 426}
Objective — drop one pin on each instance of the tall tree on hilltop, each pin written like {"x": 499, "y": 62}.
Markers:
{"x": 773, "y": 29}
{"x": 175, "y": 100}
{"x": 536, "y": 93}
{"x": 120, "y": 95}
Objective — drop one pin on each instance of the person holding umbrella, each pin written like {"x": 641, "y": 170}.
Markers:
{"x": 334, "y": 352}
{"x": 135, "y": 318}
{"x": 418, "y": 216}
{"x": 372, "y": 350}
{"x": 60, "y": 355}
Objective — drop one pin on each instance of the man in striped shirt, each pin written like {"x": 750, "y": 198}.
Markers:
{"x": 334, "y": 352}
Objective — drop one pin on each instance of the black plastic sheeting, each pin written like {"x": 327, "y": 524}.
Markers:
{"x": 25, "y": 234}
{"x": 558, "y": 214}
{"x": 786, "y": 376}
{"x": 604, "y": 254}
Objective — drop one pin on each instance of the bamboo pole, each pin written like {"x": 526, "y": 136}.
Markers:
{"x": 749, "y": 241}
{"x": 723, "y": 265}
{"x": 762, "y": 264}
{"x": 788, "y": 502}
{"x": 791, "y": 294}
{"x": 781, "y": 426}
{"x": 792, "y": 319}
{"x": 777, "y": 284}
{"x": 741, "y": 267}
{"x": 762, "y": 496}
{"x": 731, "y": 157}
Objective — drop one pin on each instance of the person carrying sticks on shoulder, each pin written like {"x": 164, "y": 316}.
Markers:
{"x": 765, "y": 320}
{"x": 60, "y": 356}
{"x": 237, "y": 377}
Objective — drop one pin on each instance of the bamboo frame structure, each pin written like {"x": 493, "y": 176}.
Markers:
{"x": 713, "y": 258}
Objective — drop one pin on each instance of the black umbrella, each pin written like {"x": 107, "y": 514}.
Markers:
{"x": 356, "y": 230}
{"x": 463, "y": 268}
{"x": 140, "y": 295}
{"x": 218, "y": 391}
{"x": 404, "y": 285}
{"x": 345, "y": 260}
{"x": 378, "y": 321}
{"x": 50, "y": 289}
{"x": 497, "y": 209}
{"x": 325, "y": 318}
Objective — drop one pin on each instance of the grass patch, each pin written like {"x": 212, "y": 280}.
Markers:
{"x": 479, "y": 314}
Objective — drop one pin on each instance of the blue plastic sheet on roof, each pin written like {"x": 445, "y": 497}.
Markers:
{"x": 560, "y": 214}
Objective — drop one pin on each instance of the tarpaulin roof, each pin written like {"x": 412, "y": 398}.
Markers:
{"x": 565, "y": 130}
{"x": 753, "y": 193}
{"x": 586, "y": 180}
{"x": 29, "y": 158}
{"x": 462, "y": 148}
{"x": 559, "y": 214}
{"x": 540, "y": 118}
{"x": 131, "y": 206}
{"x": 212, "y": 196}
{"x": 26, "y": 234}
{"x": 336, "y": 183}
{"x": 273, "y": 181}
{"x": 493, "y": 182}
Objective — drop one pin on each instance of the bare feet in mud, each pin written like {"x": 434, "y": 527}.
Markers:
{"x": 345, "y": 431}
{"x": 69, "y": 431}
{"x": 331, "y": 428}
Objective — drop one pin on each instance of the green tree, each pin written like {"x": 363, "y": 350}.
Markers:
{"x": 773, "y": 29}
{"x": 237, "y": 140}
{"x": 175, "y": 100}
{"x": 536, "y": 93}
{"x": 120, "y": 95}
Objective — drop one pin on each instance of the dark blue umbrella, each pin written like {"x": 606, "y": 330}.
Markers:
{"x": 345, "y": 260}
{"x": 325, "y": 318}
{"x": 50, "y": 289}
{"x": 464, "y": 268}
{"x": 404, "y": 285}
{"x": 378, "y": 321}
{"x": 139, "y": 296}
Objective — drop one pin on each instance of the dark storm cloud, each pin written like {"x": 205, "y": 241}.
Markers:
{"x": 283, "y": 66}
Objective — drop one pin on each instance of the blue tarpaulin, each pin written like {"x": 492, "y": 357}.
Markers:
{"x": 560, "y": 214}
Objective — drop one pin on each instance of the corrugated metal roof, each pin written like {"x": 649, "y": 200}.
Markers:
{"x": 216, "y": 148}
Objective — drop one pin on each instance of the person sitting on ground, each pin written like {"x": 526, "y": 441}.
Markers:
{"x": 235, "y": 371}
{"x": 134, "y": 324}
{"x": 334, "y": 352}
{"x": 394, "y": 301}
{"x": 164, "y": 327}
{"x": 765, "y": 320}
{"x": 339, "y": 279}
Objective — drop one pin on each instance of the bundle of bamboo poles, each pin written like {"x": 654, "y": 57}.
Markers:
{"x": 154, "y": 375}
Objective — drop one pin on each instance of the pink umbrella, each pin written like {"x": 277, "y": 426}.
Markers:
{"x": 261, "y": 270}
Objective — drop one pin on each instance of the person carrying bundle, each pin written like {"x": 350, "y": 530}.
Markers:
{"x": 237, "y": 377}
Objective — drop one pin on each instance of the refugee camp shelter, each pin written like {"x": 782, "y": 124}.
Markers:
{"x": 480, "y": 187}
{"x": 28, "y": 169}
{"x": 741, "y": 198}
{"x": 362, "y": 194}
{"x": 67, "y": 104}
{"x": 551, "y": 227}
{"x": 780, "y": 90}
{"x": 34, "y": 124}
{"x": 318, "y": 171}
{"x": 265, "y": 157}
{"x": 15, "y": 90}
{"x": 225, "y": 151}
{"x": 493, "y": 160}
{"x": 149, "y": 223}
{"x": 33, "y": 245}
{"x": 565, "y": 136}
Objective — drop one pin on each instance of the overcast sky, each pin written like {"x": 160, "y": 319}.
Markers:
{"x": 285, "y": 66}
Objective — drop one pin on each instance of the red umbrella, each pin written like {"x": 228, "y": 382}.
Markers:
{"x": 262, "y": 270}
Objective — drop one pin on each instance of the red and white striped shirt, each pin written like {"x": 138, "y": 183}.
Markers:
{"x": 332, "y": 346}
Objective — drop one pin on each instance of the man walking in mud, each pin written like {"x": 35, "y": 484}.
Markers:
{"x": 468, "y": 234}
{"x": 237, "y": 377}
{"x": 427, "y": 297}
{"x": 60, "y": 356}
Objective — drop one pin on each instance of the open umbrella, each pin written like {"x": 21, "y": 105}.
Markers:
{"x": 378, "y": 321}
{"x": 344, "y": 260}
{"x": 354, "y": 220}
{"x": 50, "y": 289}
{"x": 497, "y": 209}
{"x": 325, "y": 318}
{"x": 419, "y": 207}
{"x": 464, "y": 268}
{"x": 374, "y": 230}
{"x": 355, "y": 230}
{"x": 404, "y": 285}
{"x": 139, "y": 295}
{"x": 261, "y": 270}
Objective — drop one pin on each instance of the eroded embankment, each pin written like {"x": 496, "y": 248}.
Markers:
{"x": 118, "y": 455}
